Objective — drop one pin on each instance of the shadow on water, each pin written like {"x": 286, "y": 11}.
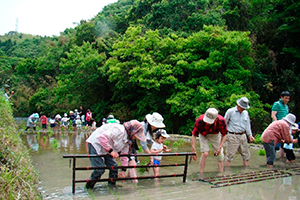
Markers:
{"x": 47, "y": 150}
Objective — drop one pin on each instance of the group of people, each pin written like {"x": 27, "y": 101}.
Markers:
{"x": 76, "y": 119}
{"x": 235, "y": 129}
{"x": 114, "y": 139}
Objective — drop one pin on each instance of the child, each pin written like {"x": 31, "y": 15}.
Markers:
{"x": 57, "y": 121}
{"x": 78, "y": 123}
{"x": 65, "y": 122}
{"x": 288, "y": 148}
{"x": 52, "y": 122}
{"x": 43, "y": 120}
{"x": 94, "y": 124}
{"x": 159, "y": 147}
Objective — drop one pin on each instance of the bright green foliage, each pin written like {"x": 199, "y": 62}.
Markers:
{"x": 85, "y": 33}
{"x": 81, "y": 78}
{"x": 184, "y": 76}
{"x": 174, "y": 57}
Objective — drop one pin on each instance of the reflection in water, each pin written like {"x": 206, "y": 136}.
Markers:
{"x": 56, "y": 175}
{"x": 32, "y": 142}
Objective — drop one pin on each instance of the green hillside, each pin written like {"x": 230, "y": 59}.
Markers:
{"x": 176, "y": 57}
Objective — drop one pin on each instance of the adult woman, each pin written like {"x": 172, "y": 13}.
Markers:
{"x": 277, "y": 131}
{"x": 112, "y": 138}
{"x": 151, "y": 123}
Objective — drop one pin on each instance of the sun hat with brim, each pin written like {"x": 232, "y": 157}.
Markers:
{"x": 243, "y": 102}
{"x": 135, "y": 128}
{"x": 35, "y": 115}
{"x": 295, "y": 126}
{"x": 290, "y": 118}
{"x": 210, "y": 115}
{"x": 155, "y": 120}
{"x": 110, "y": 117}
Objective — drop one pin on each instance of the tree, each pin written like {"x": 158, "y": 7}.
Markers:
{"x": 180, "y": 77}
{"x": 82, "y": 78}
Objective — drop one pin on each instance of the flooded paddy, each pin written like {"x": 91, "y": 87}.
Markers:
{"x": 55, "y": 172}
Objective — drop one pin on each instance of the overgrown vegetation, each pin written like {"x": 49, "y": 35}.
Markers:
{"x": 18, "y": 178}
{"x": 174, "y": 57}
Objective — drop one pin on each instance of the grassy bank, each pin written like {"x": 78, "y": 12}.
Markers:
{"x": 18, "y": 178}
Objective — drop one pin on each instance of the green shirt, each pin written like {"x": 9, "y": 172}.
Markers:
{"x": 111, "y": 121}
{"x": 282, "y": 110}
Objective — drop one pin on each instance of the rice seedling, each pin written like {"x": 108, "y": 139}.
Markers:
{"x": 257, "y": 139}
{"x": 54, "y": 143}
{"x": 180, "y": 141}
{"x": 261, "y": 152}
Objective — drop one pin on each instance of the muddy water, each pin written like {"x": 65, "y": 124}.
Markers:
{"x": 56, "y": 175}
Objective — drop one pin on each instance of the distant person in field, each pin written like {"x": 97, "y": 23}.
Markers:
{"x": 32, "y": 121}
{"x": 78, "y": 123}
{"x": 88, "y": 118}
{"x": 52, "y": 122}
{"x": 65, "y": 122}
{"x": 6, "y": 93}
{"x": 44, "y": 121}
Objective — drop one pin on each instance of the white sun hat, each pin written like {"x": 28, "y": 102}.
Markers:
{"x": 155, "y": 120}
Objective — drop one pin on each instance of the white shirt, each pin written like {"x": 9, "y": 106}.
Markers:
{"x": 238, "y": 122}
{"x": 116, "y": 136}
{"x": 156, "y": 146}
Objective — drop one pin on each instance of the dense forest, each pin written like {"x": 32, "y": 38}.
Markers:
{"x": 176, "y": 57}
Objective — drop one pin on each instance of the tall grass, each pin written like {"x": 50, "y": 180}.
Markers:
{"x": 18, "y": 177}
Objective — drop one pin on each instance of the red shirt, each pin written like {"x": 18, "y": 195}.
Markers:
{"x": 204, "y": 128}
{"x": 43, "y": 119}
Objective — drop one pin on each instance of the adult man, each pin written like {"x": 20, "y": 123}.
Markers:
{"x": 239, "y": 127}
{"x": 112, "y": 139}
{"x": 208, "y": 127}
{"x": 277, "y": 131}
{"x": 279, "y": 110}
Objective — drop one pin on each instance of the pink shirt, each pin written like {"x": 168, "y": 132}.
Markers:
{"x": 88, "y": 116}
{"x": 111, "y": 136}
{"x": 277, "y": 131}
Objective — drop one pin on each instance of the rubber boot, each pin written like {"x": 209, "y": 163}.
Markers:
{"x": 90, "y": 184}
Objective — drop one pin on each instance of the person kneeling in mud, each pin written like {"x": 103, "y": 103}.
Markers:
{"x": 158, "y": 147}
